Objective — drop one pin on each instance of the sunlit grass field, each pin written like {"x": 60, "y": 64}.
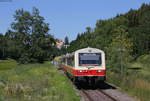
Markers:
{"x": 137, "y": 80}
{"x": 34, "y": 82}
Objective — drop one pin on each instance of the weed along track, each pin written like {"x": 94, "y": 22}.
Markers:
{"x": 104, "y": 92}
{"x": 95, "y": 94}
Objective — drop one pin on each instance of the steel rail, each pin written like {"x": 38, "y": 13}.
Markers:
{"x": 87, "y": 95}
{"x": 112, "y": 98}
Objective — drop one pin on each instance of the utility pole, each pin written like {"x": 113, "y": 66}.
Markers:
{"x": 121, "y": 62}
{"x": 121, "y": 50}
{"x": 3, "y": 52}
{"x": 3, "y": 46}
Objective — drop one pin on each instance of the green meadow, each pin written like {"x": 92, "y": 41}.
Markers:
{"x": 34, "y": 82}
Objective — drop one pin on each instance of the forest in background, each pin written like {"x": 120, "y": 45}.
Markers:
{"x": 124, "y": 38}
{"x": 126, "y": 42}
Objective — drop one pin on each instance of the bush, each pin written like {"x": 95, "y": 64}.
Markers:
{"x": 24, "y": 59}
{"x": 144, "y": 60}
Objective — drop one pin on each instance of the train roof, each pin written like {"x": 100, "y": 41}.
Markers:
{"x": 89, "y": 49}
{"x": 83, "y": 50}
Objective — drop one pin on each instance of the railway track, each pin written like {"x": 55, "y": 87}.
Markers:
{"x": 96, "y": 95}
{"x": 106, "y": 92}
{"x": 113, "y": 99}
{"x": 92, "y": 95}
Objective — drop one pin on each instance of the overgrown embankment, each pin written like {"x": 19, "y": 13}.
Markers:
{"x": 33, "y": 82}
{"x": 136, "y": 81}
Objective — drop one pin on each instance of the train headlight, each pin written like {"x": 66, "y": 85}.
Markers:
{"x": 80, "y": 71}
{"x": 85, "y": 71}
{"x": 98, "y": 71}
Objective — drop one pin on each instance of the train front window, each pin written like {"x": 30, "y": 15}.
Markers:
{"x": 90, "y": 59}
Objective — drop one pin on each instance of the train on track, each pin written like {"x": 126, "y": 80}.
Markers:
{"x": 87, "y": 64}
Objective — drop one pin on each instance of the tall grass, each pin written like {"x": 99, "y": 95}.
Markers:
{"x": 7, "y": 64}
{"x": 35, "y": 82}
{"x": 137, "y": 81}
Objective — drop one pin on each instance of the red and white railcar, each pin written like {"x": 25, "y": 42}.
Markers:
{"x": 85, "y": 64}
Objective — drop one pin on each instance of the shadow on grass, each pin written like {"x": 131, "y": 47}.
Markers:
{"x": 135, "y": 68}
{"x": 5, "y": 68}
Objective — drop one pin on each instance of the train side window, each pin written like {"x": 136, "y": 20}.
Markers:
{"x": 64, "y": 60}
{"x": 70, "y": 61}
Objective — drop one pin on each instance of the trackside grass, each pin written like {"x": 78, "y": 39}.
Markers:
{"x": 7, "y": 64}
{"x": 136, "y": 82}
{"x": 34, "y": 82}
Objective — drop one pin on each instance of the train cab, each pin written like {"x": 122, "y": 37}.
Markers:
{"x": 86, "y": 64}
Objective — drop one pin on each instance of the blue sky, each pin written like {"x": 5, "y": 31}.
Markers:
{"x": 68, "y": 17}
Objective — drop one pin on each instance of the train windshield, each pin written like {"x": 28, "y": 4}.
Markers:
{"x": 90, "y": 59}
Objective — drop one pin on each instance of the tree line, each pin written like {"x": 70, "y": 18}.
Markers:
{"x": 28, "y": 39}
{"x": 123, "y": 38}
